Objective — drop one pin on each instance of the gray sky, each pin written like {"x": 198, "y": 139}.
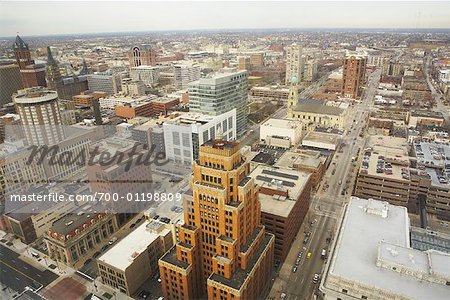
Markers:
{"x": 41, "y": 18}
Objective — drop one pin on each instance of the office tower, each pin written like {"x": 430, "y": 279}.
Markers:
{"x": 149, "y": 75}
{"x": 257, "y": 59}
{"x": 54, "y": 78}
{"x": 22, "y": 53}
{"x": 222, "y": 251}
{"x": 293, "y": 96}
{"x": 294, "y": 63}
{"x": 30, "y": 73}
{"x": 39, "y": 111}
{"x": 142, "y": 55}
{"x": 353, "y": 74}
{"x": 107, "y": 82}
{"x": 185, "y": 73}
{"x": 221, "y": 93}
{"x": 10, "y": 82}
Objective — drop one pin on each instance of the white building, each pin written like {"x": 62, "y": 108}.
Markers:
{"x": 371, "y": 257}
{"x": 184, "y": 134}
{"x": 113, "y": 101}
{"x": 147, "y": 74}
{"x": 274, "y": 129}
{"x": 310, "y": 70}
{"x": 185, "y": 73}
{"x": 132, "y": 87}
{"x": 104, "y": 82}
{"x": 294, "y": 63}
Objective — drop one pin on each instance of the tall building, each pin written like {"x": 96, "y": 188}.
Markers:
{"x": 149, "y": 75}
{"x": 142, "y": 55}
{"x": 221, "y": 93}
{"x": 294, "y": 63}
{"x": 22, "y": 53}
{"x": 353, "y": 74}
{"x": 31, "y": 74}
{"x": 10, "y": 82}
{"x": 222, "y": 251}
{"x": 54, "y": 77}
{"x": 41, "y": 119}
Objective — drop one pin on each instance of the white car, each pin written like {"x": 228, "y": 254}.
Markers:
{"x": 113, "y": 240}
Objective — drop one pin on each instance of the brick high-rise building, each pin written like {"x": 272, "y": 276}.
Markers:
{"x": 223, "y": 252}
{"x": 31, "y": 74}
{"x": 353, "y": 74}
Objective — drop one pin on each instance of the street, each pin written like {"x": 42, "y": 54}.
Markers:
{"x": 16, "y": 274}
{"x": 326, "y": 207}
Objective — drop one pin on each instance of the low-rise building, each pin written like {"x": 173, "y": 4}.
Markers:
{"x": 376, "y": 261}
{"x": 321, "y": 140}
{"x": 75, "y": 237}
{"x": 273, "y": 130}
{"x": 134, "y": 259}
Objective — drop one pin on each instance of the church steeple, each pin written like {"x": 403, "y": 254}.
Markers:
{"x": 293, "y": 96}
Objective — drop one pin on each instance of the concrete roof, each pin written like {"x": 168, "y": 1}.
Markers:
{"x": 120, "y": 255}
{"x": 374, "y": 231}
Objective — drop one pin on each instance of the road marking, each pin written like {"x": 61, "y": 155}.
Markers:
{"x": 20, "y": 272}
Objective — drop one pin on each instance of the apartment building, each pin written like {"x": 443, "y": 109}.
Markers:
{"x": 353, "y": 74}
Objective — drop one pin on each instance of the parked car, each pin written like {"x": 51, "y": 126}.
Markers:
{"x": 112, "y": 241}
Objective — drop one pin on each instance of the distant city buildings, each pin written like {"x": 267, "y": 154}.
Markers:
{"x": 143, "y": 55}
{"x": 105, "y": 82}
{"x": 184, "y": 73}
{"x": 219, "y": 94}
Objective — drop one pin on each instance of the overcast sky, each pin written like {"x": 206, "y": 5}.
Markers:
{"x": 41, "y": 18}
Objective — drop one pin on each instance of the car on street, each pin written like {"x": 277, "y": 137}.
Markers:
{"x": 316, "y": 278}
{"x": 294, "y": 269}
{"x": 112, "y": 241}
{"x": 308, "y": 255}
{"x": 144, "y": 294}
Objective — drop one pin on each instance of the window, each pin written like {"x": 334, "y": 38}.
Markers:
{"x": 176, "y": 138}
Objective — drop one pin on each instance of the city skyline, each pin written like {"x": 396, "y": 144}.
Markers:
{"x": 36, "y": 18}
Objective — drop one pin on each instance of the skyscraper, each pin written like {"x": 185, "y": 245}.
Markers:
{"x": 30, "y": 73}
{"x": 353, "y": 74}
{"x": 40, "y": 115}
{"x": 10, "y": 82}
{"x": 222, "y": 252}
{"x": 54, "y": 78}
{"x": 221, "y": 93}
{"x": 294, "y": 63}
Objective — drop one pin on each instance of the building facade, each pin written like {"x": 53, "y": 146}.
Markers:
{"x": 222, "y": 251}
{"x": 10, "y": 82}
{"x": 185, "y": 73}
{"x": 353, "y": 74}
{"x": 184, "y": 134}
{"x": 221, "y": 93}
{"x": 142, "y": 55}
{"x": 40, "y": 114}
{"x": 294, "y": 63}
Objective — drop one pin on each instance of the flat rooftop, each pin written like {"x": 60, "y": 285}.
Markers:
{"x": 282, "y": 123}
{"x": 388, "y": 144}
{"x": 311, "y": 160}
{"x": 322, "y": 137}
{"x": 76, "y": 218}
{"x": 282, "y": 180}
{"x": 384, "y": 237}
{"x": 122, "y": 254}
{"x": 382, "y": 164}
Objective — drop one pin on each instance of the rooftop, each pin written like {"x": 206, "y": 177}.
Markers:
{"x": 282, "y": 123}
{"x": 288, "y": 184}
{"x": 122, "y": 254}
{"x": 385, "y": 238}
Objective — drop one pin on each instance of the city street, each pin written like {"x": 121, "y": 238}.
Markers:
{"x": 16, "y": 274}
{"x": 325, "y": 208}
